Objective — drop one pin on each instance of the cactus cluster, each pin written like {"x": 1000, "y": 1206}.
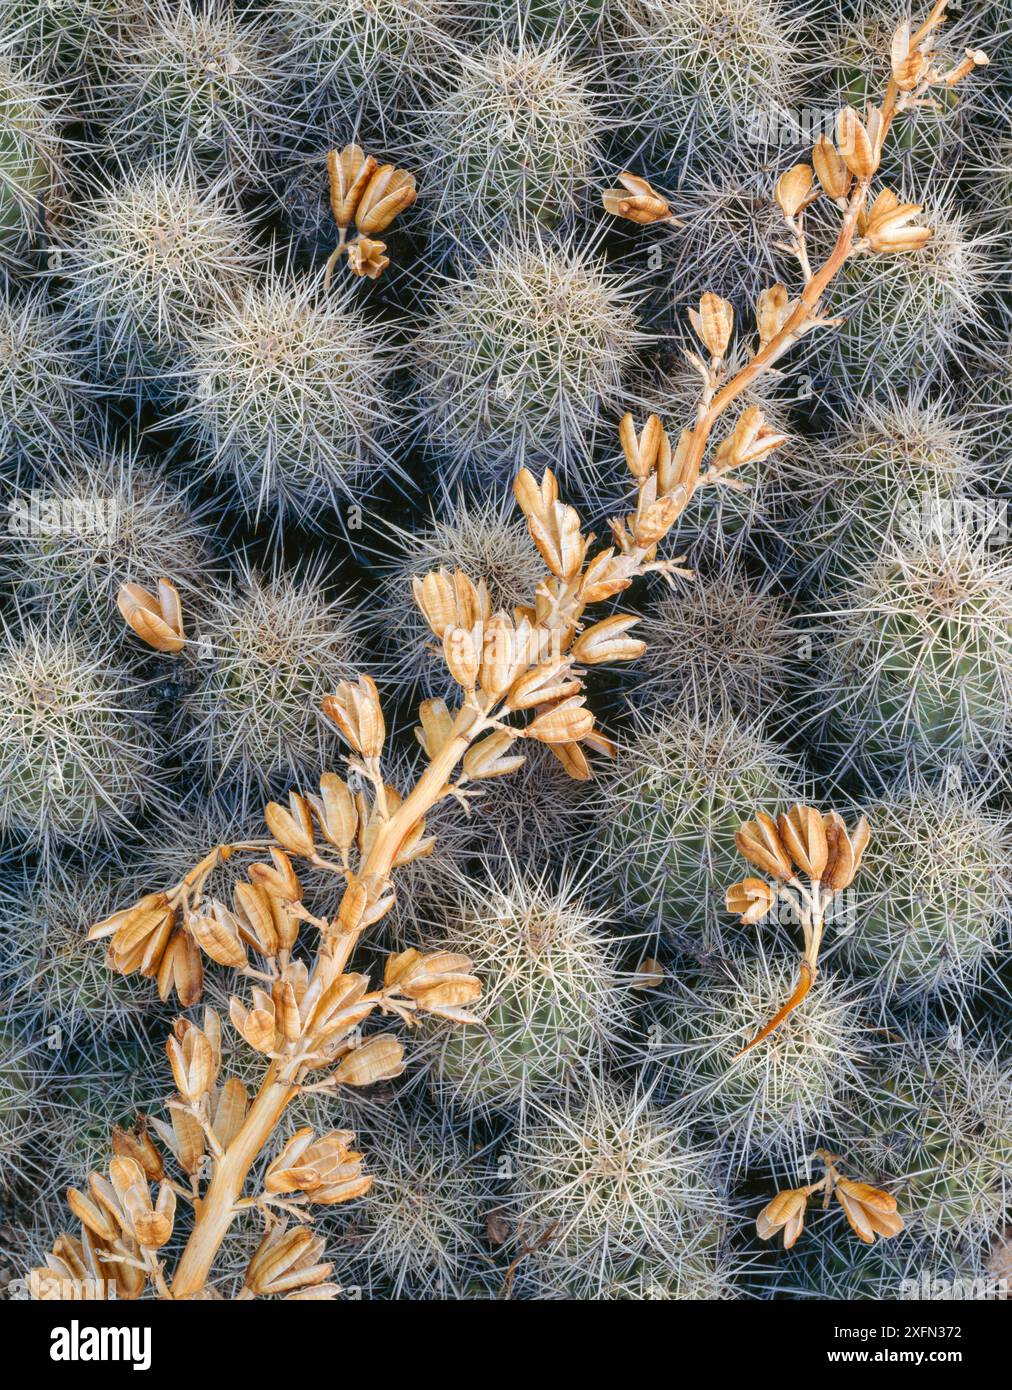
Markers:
{"x": 350, "y": 350}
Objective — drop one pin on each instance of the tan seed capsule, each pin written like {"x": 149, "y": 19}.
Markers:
{"x": 855, "y": 144}
{"x": 832, "y": 172}
{"x": 793, "y": 189}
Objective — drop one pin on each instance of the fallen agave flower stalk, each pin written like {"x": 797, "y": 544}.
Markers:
{"x": 520, "y": 677}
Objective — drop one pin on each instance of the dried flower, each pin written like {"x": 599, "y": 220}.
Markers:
{"x": 759, "y": 843}
{"x": 389, "y": 191}
{"x": 286, "y": 1261}
{"x": 439, "y": 982}
{"x": 751, "y": 439}
{"x": 714, "y": 323}
{"x": 794, "y": 190}
{"x": 772, "y": 310}
{"x": 636, "y": 201}
{"x": 350, "y": 170}
{"x": 856, "y": 143}
{"x": 870, "y": 1211}
{"x": 804, "y": 837}
{"x": 845, "y": 849}
{"x": 366, "y": 257}
{"x": 832, "y": 171}
{"x": 355, "y": 709}
{"x": 786, "y": 1212}
{"x": 370, "y": 195}
{"x": 156, "y": 621}
{"x": 752, "y": 900}
{"x": 326, "y": 1169}
{"x": 885, "y": 226}
{"x": 607, "y": 641}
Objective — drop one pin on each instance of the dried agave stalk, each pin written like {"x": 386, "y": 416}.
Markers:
{"x": 520, "y": 677}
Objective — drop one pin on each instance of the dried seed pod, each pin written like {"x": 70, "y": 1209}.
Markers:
{"x": 636, "y": 201}
{"x": 855, "y": 144}
{"x": 794, "y": 189}
{"x": 349, "y": 171}
{"x": 832, "y": 172}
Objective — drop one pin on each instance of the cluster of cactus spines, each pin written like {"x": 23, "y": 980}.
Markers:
{"x": 718, "y": 644}
{"x": 896, "y": 470}
{"x": 935, "y": 1118}
{"x": 51, "y": 972}
{"x": 918, "y": 667}
{"x": 555, "y": 997}
{"x": 728, "y": 219}
{"x": 773, "y": 1102}
{"x": 66, "y": 39}
{"x": 915, "y": 321}
{"x": 481, "y": 536}
{"x": 285, "y": 398}
{"x": 607, "y": 1077}
{"x": 149, "y": 260}
{"x": 835, "y": 1266}
{"x": 609, "y": 1188}
{"x": 200, "y": 84}
{"x": 669, "y": 811}
{"x": 357, "y": 60}
{"x": 576, "y": 22}
{"x": 936, "y": 895}
{"x": 44, "y": 394}
{"x": 78, "y": 753}
{"x": 522, "y": 356}
{"x": 513, "y": 138}
{"x": 991, "y": 405}
{"x": 29, "y": 165}
{"x": 269, "y": 646}
{"x": 421, "y": 1226}
{"x": 527, "y": 815}
{"x": 104, "y": 516}
{"x": 709, "y": 72}
{"x": 22, "y": 1085}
